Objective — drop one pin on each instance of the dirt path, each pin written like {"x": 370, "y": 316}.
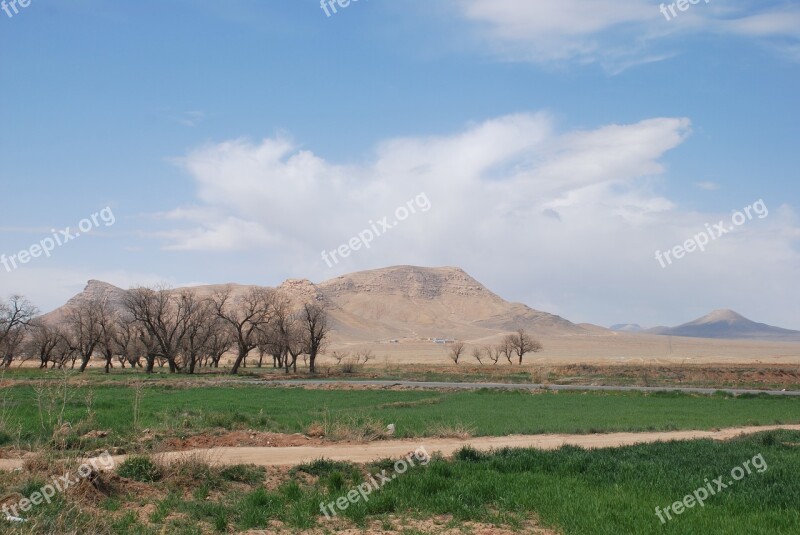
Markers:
{"x": 363, "y": 453}
{"x": 440, "y": 385}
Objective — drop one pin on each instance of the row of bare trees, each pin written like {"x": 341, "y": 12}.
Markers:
{"x": 513, "y": 346}
{"x": 174, "y": 328}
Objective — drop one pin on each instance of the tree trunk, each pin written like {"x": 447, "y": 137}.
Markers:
{"x": 239, "y": 359}
{"x": 312, "y": 361}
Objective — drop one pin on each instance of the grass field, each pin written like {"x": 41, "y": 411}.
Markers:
{"x": 608, "y": 491}
{"x": 33, "y": 411}
{"x": 571, "y": 491}
{"x": 567, "y": 491}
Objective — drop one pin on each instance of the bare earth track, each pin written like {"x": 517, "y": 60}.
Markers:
{"x": 364, "y": 453}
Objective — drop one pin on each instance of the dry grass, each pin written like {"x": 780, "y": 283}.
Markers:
{"x": 408, "y": 404}
{"x": 316, "y": 429}
{"x": 188, "y": 469}
{"x": 354, "y": 428}
{"x": 450, "y": 431}
{"x": 46, "y": 462}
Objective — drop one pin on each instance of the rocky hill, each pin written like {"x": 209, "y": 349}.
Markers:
{"x": 402, "y": 302}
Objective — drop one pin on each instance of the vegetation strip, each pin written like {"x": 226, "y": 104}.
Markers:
{"x": 569, "y": 490}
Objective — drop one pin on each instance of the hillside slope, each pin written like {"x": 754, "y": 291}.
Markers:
{"x": 397, "y": 302}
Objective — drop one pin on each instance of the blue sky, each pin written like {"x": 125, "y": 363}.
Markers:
{"x": 560, "y": 145}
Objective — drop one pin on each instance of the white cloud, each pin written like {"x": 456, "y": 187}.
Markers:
{"x": 619, "y": 34}
{"x": 707, "y": 186}
{"x": 565, "y": 220}
{"x": 274, "y": 193}
{"x": 211, "y": 230}
{"x": 783, "y": 21}
{"x": 191, "y": 118}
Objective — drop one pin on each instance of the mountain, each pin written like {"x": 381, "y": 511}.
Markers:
{"x": 94, "y": 288}
{"x": 727, "y": 324}
{"x": 627, "y": 328}
{"x": 398, "y": 302}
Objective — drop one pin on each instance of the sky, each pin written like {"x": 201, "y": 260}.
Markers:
{"x": 610, "y": 161}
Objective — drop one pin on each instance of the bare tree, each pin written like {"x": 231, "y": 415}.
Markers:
{"x": 492, "y": 353}
{"x": 338, "y": 356}
{"x": 129, "y": 341}
{"x": 200, "y": 322}
{"x": 315, "y": 331}
{"x": 84, "y": 330}
{"x": 219, "y": 343}
{"x": 296, "y": 343}
{"x": 163, "y": 318}
{"x": 147, "y": 342}
{"x": 352, "y": 364}
{"x": 477, "y": 354}
{"x": 246, "y": 317}
{"x": 505, "y": 349}
{"x": 455, "y": 351}
{"x": 15, "y": 316}
{"x": 366, "y": 355}
{"x": 109, "y": 324}
{"x": 522, "y": 343}
{"x": 44, "y": 343}
{"x": 281, "y": 338}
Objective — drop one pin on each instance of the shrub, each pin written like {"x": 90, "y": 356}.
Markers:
{"x": 243, "y": 473}
{"x": 140, "y": 468}
{"x": 469, "y": 454}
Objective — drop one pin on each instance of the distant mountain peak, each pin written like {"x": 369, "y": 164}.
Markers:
{"x": 627, "y": 327}
{"x": 722, "y": 314}
{"x": 94, "y": 283}
{"x": 728, "y": 324}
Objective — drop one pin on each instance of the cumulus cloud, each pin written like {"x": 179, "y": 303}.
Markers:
{"x": 566, "y": 221}
{"x": 273, "y": 193}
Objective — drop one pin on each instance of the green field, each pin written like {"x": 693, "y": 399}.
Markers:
{"x": 608, "y": 491}
{"x": 32, "y": 411}
{"x": 570, "y": 490}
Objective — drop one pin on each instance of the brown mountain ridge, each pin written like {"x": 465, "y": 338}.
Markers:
{"x": 401, "y": 302}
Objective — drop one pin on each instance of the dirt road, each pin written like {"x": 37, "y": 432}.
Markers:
{"x": 363, "y": 453}
{"x": 515, "y": 386}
